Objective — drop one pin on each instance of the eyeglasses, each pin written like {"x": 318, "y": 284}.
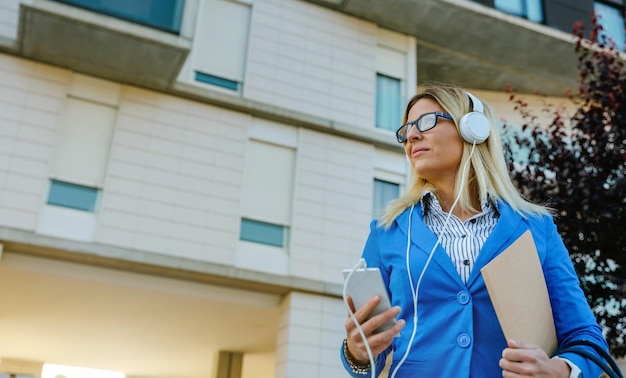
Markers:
{"x": 424, "y": 123}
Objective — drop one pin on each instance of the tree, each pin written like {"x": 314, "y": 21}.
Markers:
{"x": 577, "y": 165}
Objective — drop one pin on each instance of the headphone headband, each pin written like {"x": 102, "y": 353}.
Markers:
{"x": 477, "y": 106}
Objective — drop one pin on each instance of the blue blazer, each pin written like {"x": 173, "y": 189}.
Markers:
{"x": 458, "y": 334}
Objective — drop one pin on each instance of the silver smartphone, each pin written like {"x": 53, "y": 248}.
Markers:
{"x": 363, "y": 285}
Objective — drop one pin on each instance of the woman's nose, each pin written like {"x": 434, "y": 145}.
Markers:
{"x": 413, "y": 133}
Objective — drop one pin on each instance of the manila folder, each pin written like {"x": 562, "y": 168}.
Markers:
{"x": 517, "y": 289}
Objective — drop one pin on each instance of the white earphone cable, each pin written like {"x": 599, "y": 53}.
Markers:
{"x": 415, "y": 289}
{"x": 360, "y": 264}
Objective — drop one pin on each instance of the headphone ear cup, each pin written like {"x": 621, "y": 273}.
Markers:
{"x": 474, "y": 127}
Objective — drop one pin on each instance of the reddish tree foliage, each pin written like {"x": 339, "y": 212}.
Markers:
{"x": 577, "y": 165}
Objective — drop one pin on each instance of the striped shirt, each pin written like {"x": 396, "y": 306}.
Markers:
{"x": 462, "y": 240}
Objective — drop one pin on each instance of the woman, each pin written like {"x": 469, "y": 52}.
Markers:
{"x": 460, "y": 211}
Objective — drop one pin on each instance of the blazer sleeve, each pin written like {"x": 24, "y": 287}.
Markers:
{"x": 573, "y": 317}
{"x": 371, "y": 254}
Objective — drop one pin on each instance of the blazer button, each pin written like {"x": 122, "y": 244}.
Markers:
{"x": 463, "y": 297}
{"x": 464, "y": 340}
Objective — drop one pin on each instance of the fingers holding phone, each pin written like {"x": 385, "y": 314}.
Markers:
{"x": 369, "y": 301}
{"x": 378, "y": 338}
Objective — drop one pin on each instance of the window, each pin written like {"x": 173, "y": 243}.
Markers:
{"x": 267, "y": 197}
{"x": 80, "y": 159}
{"x": 612, "y": 20}
{"x": 389, "y": 178}
{"x": 216, "y": 80}
{"x": 81, "y": 155}
{"x": 267, "y": 194}
{"x": 388, "y": 103}
{"x": 159, "y": 14}
{"x": 384, "y": 192}
{"x": 74, "y": 196}
{"x": 393, "y": 77}
{"x": 262, "y": 232}
{"x": 221, "y": 42}
{"x": 529, "y": 9}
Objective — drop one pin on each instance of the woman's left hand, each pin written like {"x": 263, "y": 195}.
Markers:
{"x": 528, "y": 360}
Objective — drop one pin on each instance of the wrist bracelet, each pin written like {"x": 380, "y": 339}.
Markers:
{"x": 355, "y": 366}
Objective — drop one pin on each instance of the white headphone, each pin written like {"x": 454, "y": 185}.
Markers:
{"x": 474, "y": 126}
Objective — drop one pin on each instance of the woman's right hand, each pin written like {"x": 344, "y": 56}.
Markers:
{"x": 378, "y": 342}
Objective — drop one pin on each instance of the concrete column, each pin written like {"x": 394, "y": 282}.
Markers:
{"x": 309, "y": 337}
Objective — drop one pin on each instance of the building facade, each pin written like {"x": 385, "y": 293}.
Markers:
{"x": 182, "y": 182}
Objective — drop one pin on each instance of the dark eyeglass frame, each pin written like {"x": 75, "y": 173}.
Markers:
{"x": 402, "y": 138}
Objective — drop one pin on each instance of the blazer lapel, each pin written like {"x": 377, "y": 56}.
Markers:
{"x": 423, "y": 240}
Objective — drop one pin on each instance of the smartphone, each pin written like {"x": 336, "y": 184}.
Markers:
{"x": 363, "y": 285}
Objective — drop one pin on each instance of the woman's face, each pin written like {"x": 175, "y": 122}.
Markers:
{"x": 434, "y": 154}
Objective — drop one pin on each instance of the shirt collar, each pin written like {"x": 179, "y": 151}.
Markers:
{"x": 430, "y": 203}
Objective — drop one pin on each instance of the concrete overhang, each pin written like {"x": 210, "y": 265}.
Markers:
{"x": 99, "y": 45}
{"x": 131, "y": 260}
{"x": 475, "y": 46}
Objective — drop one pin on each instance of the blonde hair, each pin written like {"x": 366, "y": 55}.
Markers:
{"x": 487, "y": 176}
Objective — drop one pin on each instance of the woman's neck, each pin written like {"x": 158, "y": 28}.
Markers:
{"x": 446, "y": 199}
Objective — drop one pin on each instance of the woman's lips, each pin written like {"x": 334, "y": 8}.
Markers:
{"x": 418, "y": 151}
